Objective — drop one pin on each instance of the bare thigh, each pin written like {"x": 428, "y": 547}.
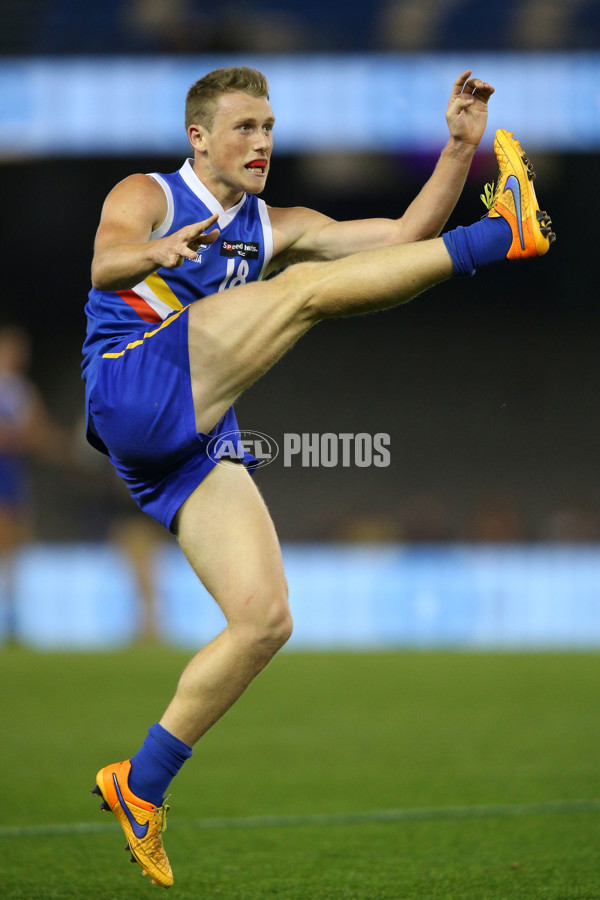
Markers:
{"x": 228, "y": 536}
{"x": 236, "y": 336}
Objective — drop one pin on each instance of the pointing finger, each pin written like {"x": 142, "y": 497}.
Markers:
{"x": 198, "y": 228}
{"x": 211, "y": 236}
{"x": 202, "y": 238}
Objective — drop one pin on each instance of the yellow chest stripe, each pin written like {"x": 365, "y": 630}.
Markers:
{"x": 162, "y": 290}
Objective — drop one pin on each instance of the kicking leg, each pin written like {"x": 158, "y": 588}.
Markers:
{"x": 236, "y": 337}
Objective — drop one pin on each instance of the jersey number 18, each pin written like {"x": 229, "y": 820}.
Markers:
{"x": 233, "y": 278}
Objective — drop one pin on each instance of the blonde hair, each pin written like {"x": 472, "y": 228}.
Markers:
{"x": 202, "y": 97}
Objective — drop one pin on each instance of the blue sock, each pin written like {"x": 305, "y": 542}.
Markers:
{"x": 485, "y": 242}
{"x": 157, "y": 762}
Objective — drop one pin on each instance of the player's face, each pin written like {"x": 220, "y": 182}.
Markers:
{"x": 235, "y": 155}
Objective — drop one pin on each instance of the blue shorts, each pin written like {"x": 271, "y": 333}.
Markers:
{"x": 140, "y": 406}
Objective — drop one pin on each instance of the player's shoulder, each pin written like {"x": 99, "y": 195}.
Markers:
{"x": 293, "y": 221}
{"x": 137, "y": 184}
{"x": 137, "y": 194}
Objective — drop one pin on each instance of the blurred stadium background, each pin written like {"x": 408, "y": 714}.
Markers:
{"x": 485, "y": 529}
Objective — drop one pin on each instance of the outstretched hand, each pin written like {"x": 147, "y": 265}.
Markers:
{"x": 183, "y": 244}
{"x": 467, "y": 108}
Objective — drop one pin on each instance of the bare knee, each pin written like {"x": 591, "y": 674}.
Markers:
{"x": 301, "y": 281}
{"x": 265, "y": 623}
{"x": 276, "y": 628}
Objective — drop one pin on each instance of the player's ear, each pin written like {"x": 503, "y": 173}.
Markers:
{"x": 196, "y": 136}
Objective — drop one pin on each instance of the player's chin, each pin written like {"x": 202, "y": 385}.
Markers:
{"x": 255, "y": 183}
{"x": 256, "y": 188}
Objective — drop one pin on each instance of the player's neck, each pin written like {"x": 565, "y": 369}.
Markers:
{"x": 226, "y": 195}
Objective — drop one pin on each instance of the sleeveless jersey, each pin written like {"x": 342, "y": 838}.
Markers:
{"x": 241, "y": 253}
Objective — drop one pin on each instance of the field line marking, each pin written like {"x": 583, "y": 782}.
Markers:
{"x": 423, "y": 814}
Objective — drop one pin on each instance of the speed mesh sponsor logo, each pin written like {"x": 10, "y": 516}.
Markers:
{"x": 245, "y": 249}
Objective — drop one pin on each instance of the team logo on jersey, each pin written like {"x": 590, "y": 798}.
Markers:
{"x": 248, "y": 250}
{"x": 199, "y": 252}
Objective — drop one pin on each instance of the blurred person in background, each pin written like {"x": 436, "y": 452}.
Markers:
{"x": 101, "y": 511}
{"x": 26, "y": 431}
{"x": 140, "y": 540}
{"x": 163, "y": 370}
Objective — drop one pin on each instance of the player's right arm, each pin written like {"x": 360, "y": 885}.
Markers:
{"x": 123, "y": 253}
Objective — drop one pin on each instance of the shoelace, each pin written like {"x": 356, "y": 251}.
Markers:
{"x": 155, "y": 838}
{"x": 161, "y": 815}
{"x": 488, "y": 196}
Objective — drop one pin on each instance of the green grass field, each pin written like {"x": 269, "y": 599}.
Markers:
{"x": 393, "y": 775}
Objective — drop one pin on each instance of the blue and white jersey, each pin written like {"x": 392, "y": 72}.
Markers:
{"x": 241, "y": 253}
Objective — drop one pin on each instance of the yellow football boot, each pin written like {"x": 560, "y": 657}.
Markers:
{"x": 142, "y": 822}
{"x": 515, "y": 201}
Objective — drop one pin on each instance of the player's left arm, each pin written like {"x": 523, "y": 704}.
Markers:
{"x": 466, "y": 117}
{"x": 306, "y": 234}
